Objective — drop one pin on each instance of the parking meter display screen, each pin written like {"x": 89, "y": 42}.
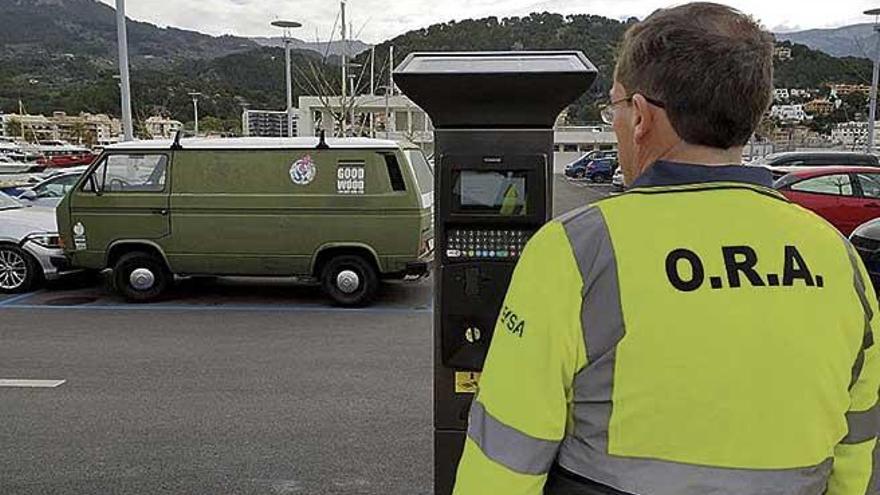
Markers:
{"x": 491, "y": 192}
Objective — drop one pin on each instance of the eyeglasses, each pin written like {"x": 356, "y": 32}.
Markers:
{"x": 607, "y": 111}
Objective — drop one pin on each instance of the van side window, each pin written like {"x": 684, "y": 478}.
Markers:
{"x": 394, "y": 173}
{"x": 130, "y": 173}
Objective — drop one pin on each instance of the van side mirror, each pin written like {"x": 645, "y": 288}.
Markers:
{"x": 29, "y": 195}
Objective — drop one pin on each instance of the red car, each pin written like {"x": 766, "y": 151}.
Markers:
{"x": 845, "y": 196}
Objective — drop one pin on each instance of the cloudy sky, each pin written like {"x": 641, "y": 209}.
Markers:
{"x": 377, "y": 20}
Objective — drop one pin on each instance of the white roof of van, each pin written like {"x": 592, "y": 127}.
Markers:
{"x": 255, "y": 143}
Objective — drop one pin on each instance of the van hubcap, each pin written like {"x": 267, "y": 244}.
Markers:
{"x": 348, "y": 281}
{"x": 13, "y": 270}
{"x": 142, "y": 279}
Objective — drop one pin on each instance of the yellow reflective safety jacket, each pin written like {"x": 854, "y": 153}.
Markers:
{"x": 696, "y": 335}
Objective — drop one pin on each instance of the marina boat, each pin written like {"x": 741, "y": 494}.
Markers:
{"x": 18, "y": 152}
{"x": 10, "y": 166}
{"x": 59, "y": 154}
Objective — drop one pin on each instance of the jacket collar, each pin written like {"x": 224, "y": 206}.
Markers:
{"x": 663, "y": 173}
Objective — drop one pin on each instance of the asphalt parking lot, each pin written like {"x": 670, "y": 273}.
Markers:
{"x": 230, "y": 386}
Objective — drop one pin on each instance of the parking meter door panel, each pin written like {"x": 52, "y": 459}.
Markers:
{"x": 491, "y": 207}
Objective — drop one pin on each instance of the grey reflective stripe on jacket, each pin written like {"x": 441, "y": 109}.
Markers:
{"x": 861, "y": 291}
{"x": 863, "y": 425}
{"x": 645, "y": 476}
{"x": 585, "y": 450}
{"x": 507, "y": 446}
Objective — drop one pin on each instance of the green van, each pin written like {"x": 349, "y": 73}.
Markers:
{"x": 347, "y": 212}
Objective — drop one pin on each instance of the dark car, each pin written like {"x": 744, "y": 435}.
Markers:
{"x": 600, "y": 170}
{"x": 783, "y": 163}
{"x": 866, "y": 239}
{"x": 845, "y": 196}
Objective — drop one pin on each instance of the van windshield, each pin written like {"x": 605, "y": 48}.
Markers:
{"x": 424, "y": 174}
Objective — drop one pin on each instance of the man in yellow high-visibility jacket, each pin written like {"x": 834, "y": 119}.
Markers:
{"x": 696, "y": 335}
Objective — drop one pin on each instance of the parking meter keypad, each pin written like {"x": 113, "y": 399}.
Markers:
{"x": 469, "y": 244}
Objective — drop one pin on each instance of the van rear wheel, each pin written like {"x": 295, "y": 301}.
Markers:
{"x": 141, "y": 277}
{"x": 350, "y": 280}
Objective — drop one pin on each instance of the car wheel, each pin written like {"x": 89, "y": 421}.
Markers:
{"x": 141, "y": 277}
{"x": 19, "y": 271}
{"x": 602, "y": 177}
{"x": 580, "y": 174}
{"x": 350, "y": 280}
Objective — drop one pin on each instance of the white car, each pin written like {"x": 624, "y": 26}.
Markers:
{"x": 30, "y": 250}
{"x": 51, "y": 191}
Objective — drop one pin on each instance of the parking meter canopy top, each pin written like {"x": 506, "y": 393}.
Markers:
{"x": 475, "y": 89}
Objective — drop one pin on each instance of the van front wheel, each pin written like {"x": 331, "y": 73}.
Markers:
{"x": 350, "y": 280}
{"x": 141, "y": 277}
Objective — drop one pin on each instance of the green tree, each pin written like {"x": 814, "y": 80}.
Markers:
{"x": 211, "y": 124}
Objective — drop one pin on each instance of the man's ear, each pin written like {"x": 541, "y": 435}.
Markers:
{"x": 643, "y": 118}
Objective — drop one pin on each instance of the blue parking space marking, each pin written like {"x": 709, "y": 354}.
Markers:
{"x": 287, "y": 308}
{"x": 15, "y": 299}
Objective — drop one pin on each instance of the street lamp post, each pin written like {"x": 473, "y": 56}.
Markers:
{"x": 195, "y": 98}
{"x": 122, "y": 39}
{"x": 353, "y": 91}
{"x": 287, "y": 26}
{"x": 872, "y": 112}
{"x": 387, "y": 90}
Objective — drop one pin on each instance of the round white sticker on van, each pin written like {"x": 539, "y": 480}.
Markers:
{"x": 79, "y": 237}
{"x": 303, "y": 171}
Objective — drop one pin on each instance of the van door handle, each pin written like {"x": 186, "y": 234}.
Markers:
{"x": 162, "y": 212}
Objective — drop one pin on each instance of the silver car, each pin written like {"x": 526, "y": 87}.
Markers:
{"x": 49, "y": 192}
{"x": 617, "y": 180}
{"x": 30, "y": 250}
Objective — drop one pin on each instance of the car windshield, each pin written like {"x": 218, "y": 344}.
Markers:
{"x": 7, "y": 203}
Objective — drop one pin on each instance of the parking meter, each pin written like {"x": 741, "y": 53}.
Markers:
{"x": 493, "y": 115}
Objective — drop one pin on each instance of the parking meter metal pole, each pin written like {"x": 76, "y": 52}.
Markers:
{"x": 124, "y": 80}
{"x": 872, "y": 119}
{"x": 493, "y": 114}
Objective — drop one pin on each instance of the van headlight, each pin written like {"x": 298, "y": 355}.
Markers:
{"x": 45, "y": 239}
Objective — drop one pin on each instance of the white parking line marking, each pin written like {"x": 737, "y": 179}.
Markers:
{"x": 18, "y": 298}
{"x": 14, "y": 382}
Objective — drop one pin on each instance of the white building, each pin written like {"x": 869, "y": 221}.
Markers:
{"x": 789, "y": 113}
{"x": 84, "y": 128}
{"x": 780, "y": 94}
{"x": 572, "y": 142}
{"x": 800, "y": 93}
{"x": 395, "y": 117}
{"x": 161, "y": 127}
{"x": 782, "y": 53}
{"x": 266, "y": 123}
{"x": 405, "y": 121}
{"x": 852, "y": 133}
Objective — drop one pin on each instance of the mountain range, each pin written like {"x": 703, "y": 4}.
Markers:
{"x": 352, "y": 47}
{"x": 61, "y": 55}
{"x": 87, "y": 28}
{"x": 848, "y": 41}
